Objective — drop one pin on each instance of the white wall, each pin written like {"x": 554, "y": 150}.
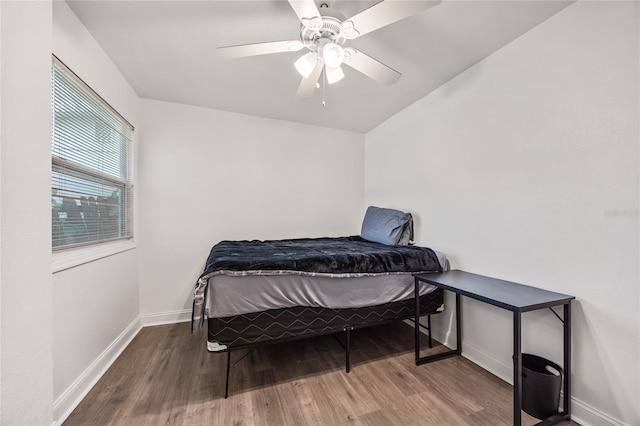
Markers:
{"x": 95, "y": 304}
{"x": 208, "y": 175}
{"x": 525, "y": 168}
{"x": 25, "y": 244}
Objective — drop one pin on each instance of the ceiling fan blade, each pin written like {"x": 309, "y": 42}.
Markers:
{"x": 370, "y": 67}
{"x": 308, "y": 85}
{"x": 308, "y": 13}
{"x": 254, "y": 49}
{"x": 382, "y": 14}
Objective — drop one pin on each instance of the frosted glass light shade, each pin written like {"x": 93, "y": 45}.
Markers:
{"x": 306, "y": 63}
{"x": 334, "y": 74}
{"x": 333, "y": 55}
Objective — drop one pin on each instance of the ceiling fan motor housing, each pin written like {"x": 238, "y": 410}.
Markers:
{"x": 329, "y": 32}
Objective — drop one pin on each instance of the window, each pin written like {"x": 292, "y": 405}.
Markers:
{"x": 91, "y": 159}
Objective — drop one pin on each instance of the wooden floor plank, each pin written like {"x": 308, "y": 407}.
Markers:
{"x": 166, "y": 376}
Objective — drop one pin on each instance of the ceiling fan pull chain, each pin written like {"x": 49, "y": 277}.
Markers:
{"x": 324, "y": 77}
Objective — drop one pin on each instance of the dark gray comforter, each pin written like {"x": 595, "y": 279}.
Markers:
{"x": 343, "y": 255}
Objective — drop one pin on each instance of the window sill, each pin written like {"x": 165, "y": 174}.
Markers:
{"x": 79, "y": 256}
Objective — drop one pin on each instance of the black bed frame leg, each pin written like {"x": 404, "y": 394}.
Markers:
{"x": 226, "y": 385}
{"x": 429, "y": 327}
{"x": 347, "y": 350}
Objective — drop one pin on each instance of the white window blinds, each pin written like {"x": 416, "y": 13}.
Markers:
{"x": 91, "y": 158}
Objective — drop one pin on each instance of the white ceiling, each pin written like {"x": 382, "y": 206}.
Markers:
{"x": 166, "y": 50}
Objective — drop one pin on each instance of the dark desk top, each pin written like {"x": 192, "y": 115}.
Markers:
{"x": 504, "y": 294}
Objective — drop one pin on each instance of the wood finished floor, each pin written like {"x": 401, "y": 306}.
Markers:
{"x": 167, "y": 377}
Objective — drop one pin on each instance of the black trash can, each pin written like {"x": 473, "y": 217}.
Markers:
{"x": 541, "y": 381}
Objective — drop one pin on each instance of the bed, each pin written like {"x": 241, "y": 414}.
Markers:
{"x": 260, "y": 292}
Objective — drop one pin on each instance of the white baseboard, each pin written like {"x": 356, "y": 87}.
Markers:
{"x": 488, "y": 362}
{"x": 64, "y": 405}
{"x": 71, "y": 397}
{"x": 169, "y": 317}
{"x": 586, "y": 415}
{"x": 581, "y": 412}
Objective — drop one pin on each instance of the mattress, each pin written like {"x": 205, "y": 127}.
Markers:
{"x": 242, "y": 277}
{"x": 237, "y": 295}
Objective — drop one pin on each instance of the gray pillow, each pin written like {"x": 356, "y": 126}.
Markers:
{"x": 385, "y": 226}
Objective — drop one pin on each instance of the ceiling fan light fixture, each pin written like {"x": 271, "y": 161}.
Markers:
{"x": 306, "y": 63}
{"x": 333, "y": 55}
{"x": 334, "y": 74}
{"x": 324, "y": 31}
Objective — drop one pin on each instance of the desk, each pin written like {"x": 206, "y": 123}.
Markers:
{"x": 514, "y": 297}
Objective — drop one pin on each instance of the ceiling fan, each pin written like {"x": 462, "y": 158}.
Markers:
{"x": 324, "y": 31}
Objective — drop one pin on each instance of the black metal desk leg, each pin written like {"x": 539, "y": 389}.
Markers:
{"x": 458, "y": 325}
{"x": 416, "y": 297}
{"x": 567, "y": 359}
{"x": 517, "y": 368}
{"x": 439, "y": 355}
